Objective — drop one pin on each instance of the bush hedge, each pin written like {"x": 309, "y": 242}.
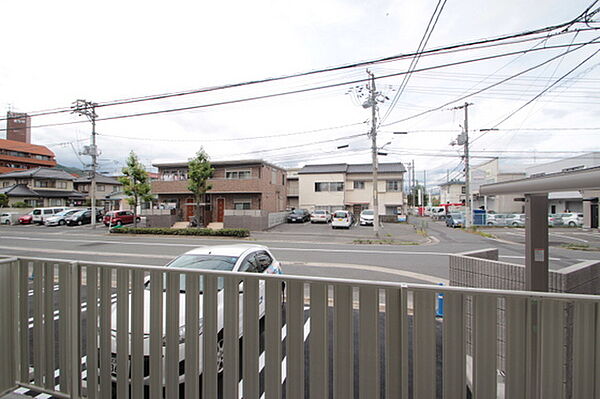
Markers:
{"x": 183, "y": 232}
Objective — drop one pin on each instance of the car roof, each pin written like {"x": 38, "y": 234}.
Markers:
{"x": 226, "y": 250}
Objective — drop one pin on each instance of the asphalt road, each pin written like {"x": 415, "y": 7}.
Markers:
{"x": 309, "y": 250}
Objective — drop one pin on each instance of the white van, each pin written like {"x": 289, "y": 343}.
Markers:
{"x": 39, "y": 214}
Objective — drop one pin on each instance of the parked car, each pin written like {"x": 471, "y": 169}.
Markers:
{"x": 343, "y": 219}
{"x": 555, "y": 219}
{"x": 497, "y": 219}
{"x": 7, "y": 217}
{"x": 320, "y": 216}
{"x": 572, "y": 219}
{"x": 455, "y": 220}
{"x": 515, "y": 220}
{"x": 40, "y": 214}
{"x": 83, "y": 217}
{"x": 119, "y": 218}
{"x": 26, "y": 219}
{"x": 298, "y": 215}
{"x": 366, "y": 217}
{"x": 60, "y": 219}
{"x": 249, "y": 258}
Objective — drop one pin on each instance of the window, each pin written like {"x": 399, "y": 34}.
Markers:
{"x": 56, "y": 202}
{"x": 359, "y": 185}
{"x": 238, "y": 174}
{"x": 61, "y": 184}
{"x": 22, "y": 181}
{"x": 101, "y": 187}
{"x": 463, "y": 190}
{"x": 44, "y": 183}
{"x": 5, "y": 184}
{"x": 242, "y": 205}
{"x": 273, "y": 176}
{"x": 393, "y": 185}
{"x": 329, "y": 186}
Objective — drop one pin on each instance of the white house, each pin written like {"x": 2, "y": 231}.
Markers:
{"x": 350, "y": 186}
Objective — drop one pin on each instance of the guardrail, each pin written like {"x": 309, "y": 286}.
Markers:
{"x": 130, "y": 330}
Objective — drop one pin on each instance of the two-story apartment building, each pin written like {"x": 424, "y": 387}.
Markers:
{"x": 241, "y": 185}
{"x": 40, "y": 187}
{"x": 106, "y": 187}
{"x": 350, "y": 186}
{"x": 16, "y": 155}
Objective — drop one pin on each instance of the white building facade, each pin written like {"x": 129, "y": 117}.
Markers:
{"x": 350, "y": 186}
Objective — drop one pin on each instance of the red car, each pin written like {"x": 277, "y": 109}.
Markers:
{"x": 119, "y": 218}
{"x": 26, "y": 219}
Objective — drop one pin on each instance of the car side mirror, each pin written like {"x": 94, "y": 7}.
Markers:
{"x": 264, "y": 262}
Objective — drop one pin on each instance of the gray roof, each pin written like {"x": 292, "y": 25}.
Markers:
{"x": 392, "y": 167}
{"x": 21, "y": 190}
{"x": 241, "y": 162}
{"x": 99, "y": 179}
{"x": 18, "y": 190}
{"x": 40, "y": 173}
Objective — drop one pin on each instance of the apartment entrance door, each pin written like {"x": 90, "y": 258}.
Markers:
{"x": 220, "y": 209}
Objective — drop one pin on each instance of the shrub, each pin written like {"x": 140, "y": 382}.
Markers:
{"x": 20, "y": 204}
{"x": 183, "y": 232}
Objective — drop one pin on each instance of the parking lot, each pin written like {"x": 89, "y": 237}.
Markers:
{"x": 392, "y": 231}
{"x": 557, "y": 236}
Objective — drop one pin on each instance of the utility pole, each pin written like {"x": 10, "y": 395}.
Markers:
{"x": 88, "y": 108}
{"x": 463, "y": 139}
{"x": 373, "y": 134}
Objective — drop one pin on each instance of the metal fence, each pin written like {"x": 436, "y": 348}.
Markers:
{"x": 96, "y": 330}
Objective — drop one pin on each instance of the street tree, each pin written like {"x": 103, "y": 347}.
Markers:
{"x": 136, "y": 183}
{"x": 3, "y": 200}
{"x": 199, "y": 171}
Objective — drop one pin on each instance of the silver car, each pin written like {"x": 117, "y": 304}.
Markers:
{"x": 249, "y": 258}
{"x": 60, "y": 218}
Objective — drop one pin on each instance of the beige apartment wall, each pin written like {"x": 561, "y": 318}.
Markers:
{"x": 308, "y": 198}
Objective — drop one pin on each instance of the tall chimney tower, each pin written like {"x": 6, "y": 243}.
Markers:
{"x": 18, "y": 127}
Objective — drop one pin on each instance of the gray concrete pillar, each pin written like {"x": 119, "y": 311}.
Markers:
{"x": 536, "y": 242}
{"x": 587, "y": 214}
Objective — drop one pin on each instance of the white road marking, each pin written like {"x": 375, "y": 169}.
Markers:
{"x": 567, "y": 237}
{"x": 381, "y": 269}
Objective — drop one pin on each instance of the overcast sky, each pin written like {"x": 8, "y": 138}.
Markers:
{"x": 57, "y": 52}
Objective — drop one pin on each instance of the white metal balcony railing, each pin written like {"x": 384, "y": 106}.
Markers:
{"x": 312, "y": 332}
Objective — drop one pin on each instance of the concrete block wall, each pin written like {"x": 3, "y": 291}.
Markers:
{"x": 481, "y": 269}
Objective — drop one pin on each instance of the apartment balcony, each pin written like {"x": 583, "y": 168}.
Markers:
{"x": 383, "y": 339}
{"x": 218, "y": 186}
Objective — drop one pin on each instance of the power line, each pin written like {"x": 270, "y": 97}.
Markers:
{"x": 443, "y": 50}
{"x": 235, "y": 138}
{"x": 461, "y": 98}
{"x": 280, "y": 94}
{"x": 415, "y": 60}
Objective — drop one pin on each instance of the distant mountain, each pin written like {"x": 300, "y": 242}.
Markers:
{"x": 74, "y": 171}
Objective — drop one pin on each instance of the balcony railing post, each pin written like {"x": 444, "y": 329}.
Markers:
{"x": 7, "y": 335}
{"x": 73, "y": 333}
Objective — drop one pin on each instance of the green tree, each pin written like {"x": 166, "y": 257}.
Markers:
{"x": 199, "y": 171}
{"x": 3, "y": 200}
{"x": 136, "y": 183}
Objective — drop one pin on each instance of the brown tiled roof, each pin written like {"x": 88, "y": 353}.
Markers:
{"x": 24, "y": 147}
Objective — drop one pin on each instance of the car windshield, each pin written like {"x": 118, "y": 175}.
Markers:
{"x": 367, "y": 212}
{"x": 319, "y": 212}
{"x": 298, "y": 211}
{"x": 64, "y": 213}
{"x": 340, "y": 215}
{"x": 202, "y": 262}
